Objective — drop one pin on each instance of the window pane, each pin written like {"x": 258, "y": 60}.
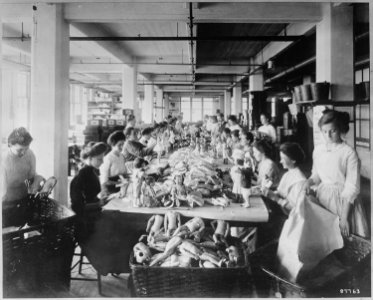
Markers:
{"x": 358, "y": 76}
{"x": 196, "y": 109}
{"x": 366, "y": 74}
{"x": 185, "y": 108}
{"x": 244, "y": 103}
{"x": 208, "y": 106}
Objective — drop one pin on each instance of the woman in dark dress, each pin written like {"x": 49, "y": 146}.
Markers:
{"x": 85, "y": 189}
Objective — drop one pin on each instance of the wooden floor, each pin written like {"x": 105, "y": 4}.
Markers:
{"x": 112, "y": 285}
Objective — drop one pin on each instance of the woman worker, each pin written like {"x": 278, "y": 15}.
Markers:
{"x": 85, "y": 189}
{"x": 292, "y": 184}
{"x": 336, "y": 173}
{"x": 18, "y": 166}
{"x": 114, "y": 164}
{"x": 268, "y": 172}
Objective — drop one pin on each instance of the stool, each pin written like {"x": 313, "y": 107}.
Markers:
{"x": 82, "y": 262}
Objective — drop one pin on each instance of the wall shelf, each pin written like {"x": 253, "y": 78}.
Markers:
{"x": 328, "y": 102}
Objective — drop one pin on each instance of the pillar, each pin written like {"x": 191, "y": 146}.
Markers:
{"x": 129, "y": 90}
{"x": 237, "y": 98}
{"x": 160, "y": 109}
{"x": 166, "y": 105}
{"x": 256, "y": 84}
{"x": 221, "y": 104}
{"x": 334, "y": 50}
{"x": 2, "y": 133}
{"x": 227, "y": 104}
{"x": 147, "y": 107}
{"x": 49, "y": 111}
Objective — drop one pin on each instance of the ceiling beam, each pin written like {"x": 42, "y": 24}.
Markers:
{"x": 96, "y": 68}
{"x": 216, "y": 12}
{"x": 113, "y": 47}
{"x": 257, "y": 38}
{"x": 16, "y": 12}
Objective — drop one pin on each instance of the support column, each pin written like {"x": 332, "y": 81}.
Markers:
{"x": 85, "y": 105}
{"x": 160, "y": 109}
{"x": 2, "y": 117}
{"x": 237, "y": 98}
{"x": 147, "y": 107}
{"x": 215, "y": 105}
{"x": 166, "y": 105}
{"x": 129, "y": 90}
{"x": 227, "y": 104}
{"x": 256, "y": 84}
{"x": 334, "y": 50}
{"x": 49, "y": 122}
{"x": 221, "y": 104}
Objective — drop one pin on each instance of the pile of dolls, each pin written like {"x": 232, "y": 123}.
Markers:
{"x": 190, "y": 180}
{"x": 168, "y": 243}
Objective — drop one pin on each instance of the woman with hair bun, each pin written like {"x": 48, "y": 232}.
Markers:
{"x": 268, "y": 172}
{"x": 19, "y": 165}
{"x": 336, "y": 174}
{"x": 114, "y": 164}
{"x": 85, "y": 189}
{"x": 291, "y": 186}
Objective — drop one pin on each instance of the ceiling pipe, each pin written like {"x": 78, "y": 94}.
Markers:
{"x": 258, "y": 38}
{"x": 258, "y": 67}
{"x": 172, "y": 64}
{"x": 292, "y": 69}
{"x": 191, "y": 42}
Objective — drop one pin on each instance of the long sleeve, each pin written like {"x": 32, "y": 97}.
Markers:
{"x": 314, "y": 173}
{"x": 84, "y": 189}
{"x": 352, "y": 184}
{"x": 105, "y": 170}
{"x": 3, "y": 182}
{"x": 32, "y": 165}
{"x": 77, "y": 195}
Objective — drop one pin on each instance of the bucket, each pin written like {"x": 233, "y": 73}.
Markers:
{"x": 306, "y": 92}
{"x": 320, "y": 91}
{"x": 297, "y": 94}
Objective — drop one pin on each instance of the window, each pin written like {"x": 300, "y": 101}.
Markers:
{"x": 362, "y": 116}
{"x": 208, "y": 106}
{"x": 196, "y": 109}
{"x": 244, "y": 104}
{"x": 185, "y": 109}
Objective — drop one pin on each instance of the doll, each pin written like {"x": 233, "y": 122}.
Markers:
{"x": 138, "y": 177}
{"x": 241, "y": 178}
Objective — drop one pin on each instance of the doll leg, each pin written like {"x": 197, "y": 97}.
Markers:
{"x": 246, "y": 197}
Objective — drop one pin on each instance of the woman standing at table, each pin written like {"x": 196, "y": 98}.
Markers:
{"x": 85, "y": 189}
{"x": 19, "y": 165}
{"x": 336, "y": 174}
{"x": 114, "y": 164}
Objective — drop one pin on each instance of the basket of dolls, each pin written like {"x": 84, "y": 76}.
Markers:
{"x": 183, "y": 267}
{"x": 37, "y": 258}
{"x": 343, "y": 273}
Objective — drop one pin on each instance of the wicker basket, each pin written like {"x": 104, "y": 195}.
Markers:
{"x": 189, "y": 282}
{"x": 343, "y": 271}
{"x": 38, "y": 258}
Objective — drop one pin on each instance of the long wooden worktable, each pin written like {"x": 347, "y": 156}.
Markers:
{"x": 257, "y": 213}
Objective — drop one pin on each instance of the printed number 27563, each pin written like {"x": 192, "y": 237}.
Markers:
{"x": 349, "y": 291}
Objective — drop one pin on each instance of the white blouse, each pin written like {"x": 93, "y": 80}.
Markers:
{"x": 337, "y": 165}
{"x": 113, "y": 165}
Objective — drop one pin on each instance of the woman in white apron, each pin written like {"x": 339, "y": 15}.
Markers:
{"x": 336, "y": 174}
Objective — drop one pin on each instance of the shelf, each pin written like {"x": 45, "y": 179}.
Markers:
{"x": 328, "y": 102}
